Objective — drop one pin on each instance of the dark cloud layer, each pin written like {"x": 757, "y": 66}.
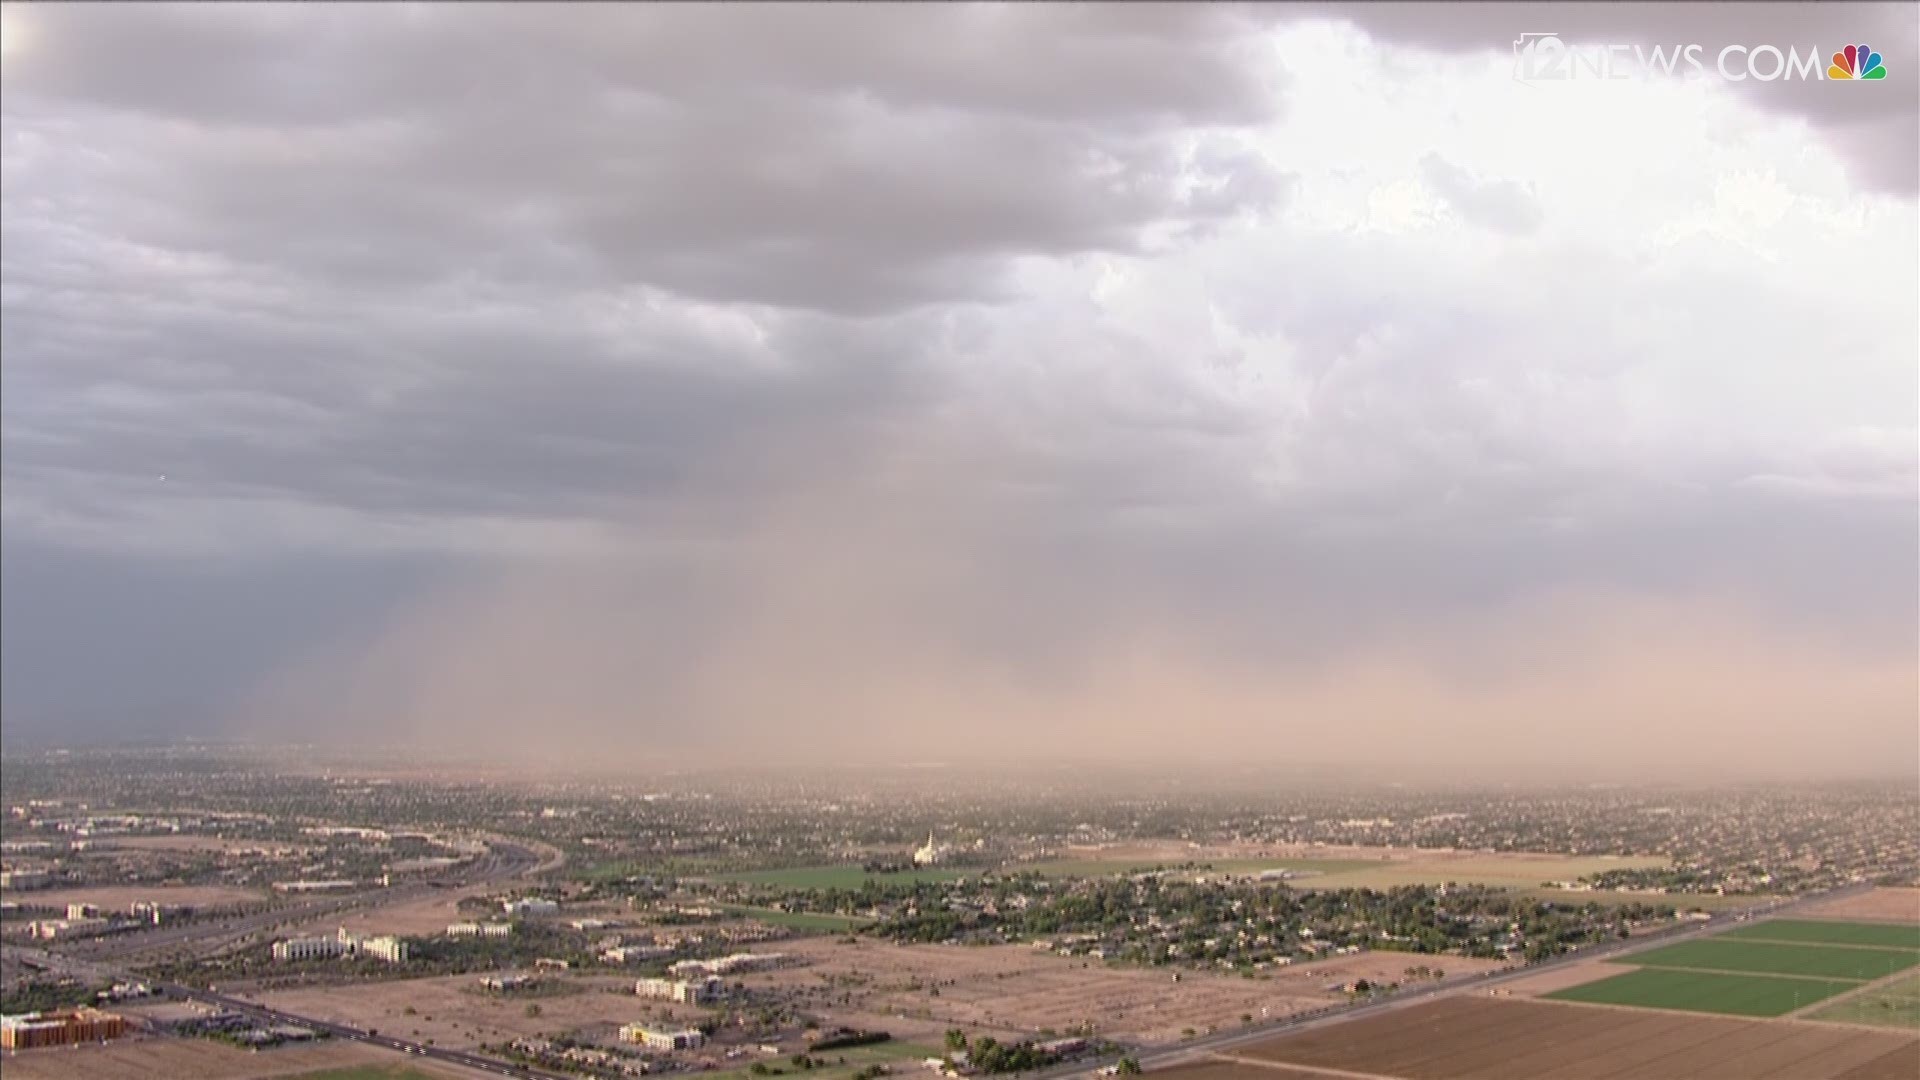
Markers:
{"x": 857, "y": 162}
{"x": 728, "y": 375}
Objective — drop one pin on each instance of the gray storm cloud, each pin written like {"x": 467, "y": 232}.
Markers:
{"x": 621, "y": 384}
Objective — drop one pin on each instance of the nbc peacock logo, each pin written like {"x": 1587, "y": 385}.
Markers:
{"x": 1856, "y": 62}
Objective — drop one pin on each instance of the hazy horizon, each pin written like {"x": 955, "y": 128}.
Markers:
{"x": 1190, "y": 777}
{"x": 603, "y": 386}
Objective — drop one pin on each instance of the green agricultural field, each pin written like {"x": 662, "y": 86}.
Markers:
{"x": 845, "y": 877}
{"x": 1705, "y": 991}
{"x": 1895, "y": 1005}
{"x": 1772, "y": 958}
{"x": 800, "y": 920}
{"x": 1830, "y": 933}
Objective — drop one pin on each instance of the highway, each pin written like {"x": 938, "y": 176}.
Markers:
{"x": 503, "y": 861}
{"x": 1339, "y": 1014}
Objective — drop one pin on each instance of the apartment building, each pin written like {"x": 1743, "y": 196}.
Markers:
{"x": 64, "y": 1027}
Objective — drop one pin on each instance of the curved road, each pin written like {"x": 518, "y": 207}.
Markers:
{"x": 505, "y": 860}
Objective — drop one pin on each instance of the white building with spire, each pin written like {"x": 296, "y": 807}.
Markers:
{"x": 932, "y": 854}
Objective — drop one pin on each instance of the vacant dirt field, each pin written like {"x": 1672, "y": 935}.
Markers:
{"x": 919, "y": 991}
{"x": 1226, "y": 1068}
{"x": 1394, "y": 866}
{"x": 448, "y": 1015}
{"x": 1560, "y": 978}
{"x": 1481, "y": 1038}
{"x": 427, "y": 915}
{"x": 1509, "y": 870}
{"x": 200, "y": 1059}
{"x": 1376, "y": 967}
{"x": 1891, "y": 905}
{"x": 118, "y": 898}
{"x": 1178, "y": 851}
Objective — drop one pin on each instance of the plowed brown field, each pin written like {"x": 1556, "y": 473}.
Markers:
{"x": 1479, "y": 1038}
{"x": 1891, "y": 905}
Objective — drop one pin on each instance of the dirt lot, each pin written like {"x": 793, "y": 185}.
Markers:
{"x": 448, "y": 1014}
{"x": 1396, "y": 866}
{"x": 1178, "y": 851}
{"x": 1891, "y": 905}
{"x": 200, "y": 1059}
{"x": 118, "y": 898}
{"x": 427, "y": 915}
{"x": 1559, "y": 978}
{"x": 1015, "y": 990}
{"x": 1227, "y": 1069}
{"x": 1482, "y": 1038}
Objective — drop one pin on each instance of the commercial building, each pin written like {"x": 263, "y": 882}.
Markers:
{"x": 309, "y": 948}
{"x": 685, "y": 991}
{"x": 480, "y": 929}
{"x": 50, "y": 929}
{"x": 666, "y": 1039}
{"x": 385, "y": 947}
{"x": 64, "y": 1027}
{"x": 331, "y": 885}
{"x": 505, "y": 983}
{"x": 531, "y": 905}
{"x": 148, "y": 911}
{"x": 726, "y": 965}
{"x": 423, "y": 863}
{"x": 627, "y": 954}
{"x": 353, "y": 832}
{"x": 24, "y": 879}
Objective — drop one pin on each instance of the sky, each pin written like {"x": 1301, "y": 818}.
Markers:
{"x": 644, "y": 385}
